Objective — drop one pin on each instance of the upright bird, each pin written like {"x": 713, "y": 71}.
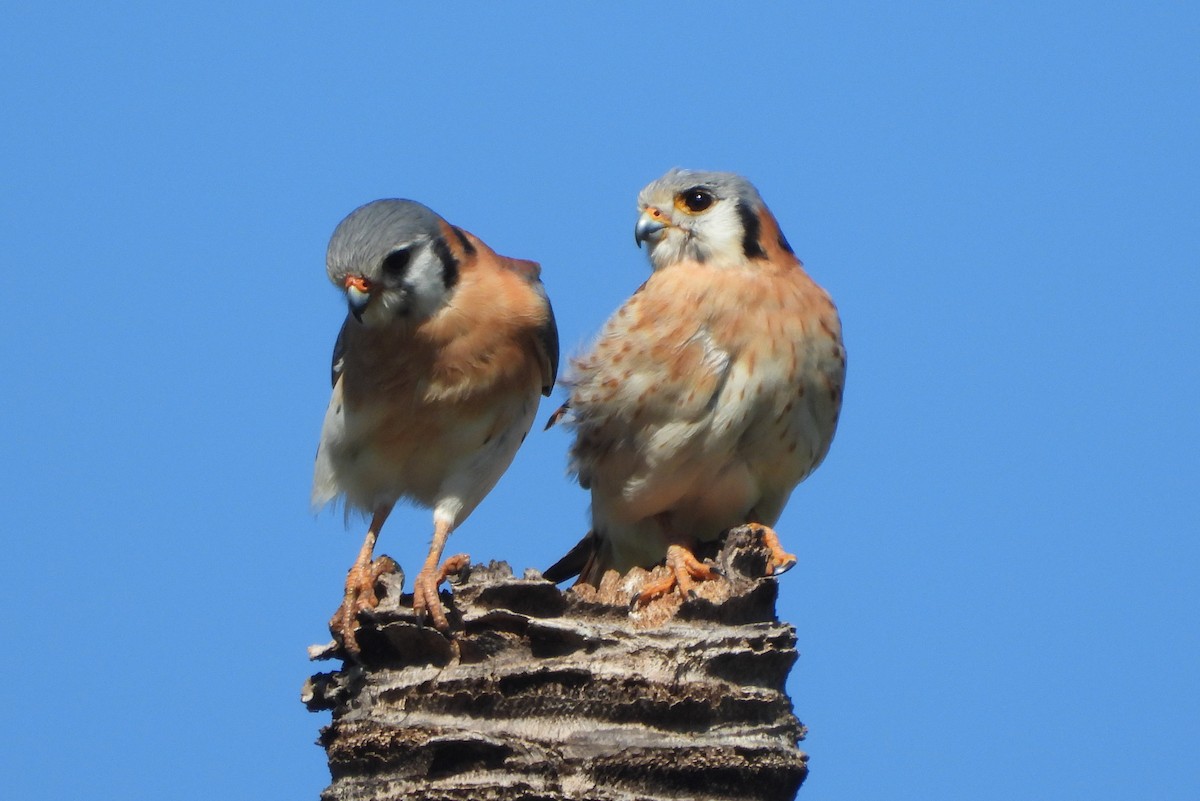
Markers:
{"x": 436, "y": 375}
{"x": 710, "y": 394}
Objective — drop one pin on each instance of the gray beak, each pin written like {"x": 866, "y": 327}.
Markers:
{"x": 357, "y": 300}
{"x": 647, "y": 228}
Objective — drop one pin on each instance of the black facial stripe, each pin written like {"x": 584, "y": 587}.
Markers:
{"x": 449, "y": 263}
{"x": 467, "y": 247}
{"x": 752, "y": 230}
{"x": 783, "y": 243}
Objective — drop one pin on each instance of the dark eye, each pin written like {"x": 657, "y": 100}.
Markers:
{"x": 696, "y": 199}
{"x": 395, "y": 263}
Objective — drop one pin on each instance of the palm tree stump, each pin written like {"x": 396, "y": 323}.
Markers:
{"x": 545, "y": 695}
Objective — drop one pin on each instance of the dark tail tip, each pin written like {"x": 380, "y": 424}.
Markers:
{"x": 558, "y": 415}
{"x": 573, "y": 563}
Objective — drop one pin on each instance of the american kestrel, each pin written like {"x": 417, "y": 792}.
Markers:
{"x": 710, "y": 394}
{"x": 436, "y": 376}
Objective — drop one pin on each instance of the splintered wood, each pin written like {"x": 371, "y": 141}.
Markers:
{"x": 544, "y": 695}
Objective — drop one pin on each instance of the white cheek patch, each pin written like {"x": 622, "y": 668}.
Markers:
{"x": 712, "y": 237}
{"x": 424, "y": 284}
{"x": 719, "y": 234}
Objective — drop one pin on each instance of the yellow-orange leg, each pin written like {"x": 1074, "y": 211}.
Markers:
{"x": 360, "y": 586}
{"x": 781, "y": 561}
{"x": 684, "y": 570}
{"x": 425, "y": 587}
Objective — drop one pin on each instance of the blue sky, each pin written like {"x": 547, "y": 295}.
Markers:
{"x": 996, "y": 595}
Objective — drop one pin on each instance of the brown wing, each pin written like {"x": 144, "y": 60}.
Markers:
{"x": 339, "y": 353}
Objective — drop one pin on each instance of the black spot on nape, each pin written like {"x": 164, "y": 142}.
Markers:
{"x": 449, "y": 263}
{"x": 467, "y": 247}
{"x": 783, "y": 243}
{"x": 751, "y": 232}
{"x": 395, "y": 263}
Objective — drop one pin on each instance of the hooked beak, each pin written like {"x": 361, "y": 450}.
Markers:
{"x": 650, "y": 226}
{"x": 358, "y": 295}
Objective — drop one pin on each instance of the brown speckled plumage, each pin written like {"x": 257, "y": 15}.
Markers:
{"x": 712, "y": 392}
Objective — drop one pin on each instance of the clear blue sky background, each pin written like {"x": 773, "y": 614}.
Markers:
{"x": 996, "y": 596}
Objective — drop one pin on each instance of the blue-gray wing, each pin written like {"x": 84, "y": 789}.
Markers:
{"x": 547, "y": 340}
{"x": 339, "y": 352}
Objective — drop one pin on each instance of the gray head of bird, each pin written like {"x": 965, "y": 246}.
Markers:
{"x": 700, "y": 216}
{"x": 391, "y": 259}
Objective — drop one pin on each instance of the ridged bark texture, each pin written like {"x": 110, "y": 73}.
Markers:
{"x": 543, "y": 695}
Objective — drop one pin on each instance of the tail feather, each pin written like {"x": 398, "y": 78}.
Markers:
{"x": 579, "y": 561}
{"x": 559, "y": 414}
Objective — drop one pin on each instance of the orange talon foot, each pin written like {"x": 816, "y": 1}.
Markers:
{"x": 359, "y": 595}
{"x": 426, "y": 600}
{"x": 781, "y": 561}
{"x": 684, "y": 571}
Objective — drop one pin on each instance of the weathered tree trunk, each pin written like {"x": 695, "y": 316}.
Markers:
{"x": 544, "y": 695}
